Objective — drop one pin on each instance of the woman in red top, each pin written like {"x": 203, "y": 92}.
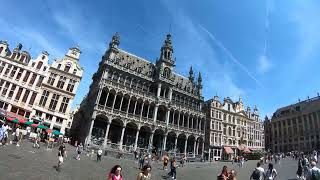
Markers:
{"x": 115, "y": 173}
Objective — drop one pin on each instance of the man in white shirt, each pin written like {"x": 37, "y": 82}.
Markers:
{"x": 17, "y": 136}
{"x": 314, "y": 172}
{"x": 258, "y": 173}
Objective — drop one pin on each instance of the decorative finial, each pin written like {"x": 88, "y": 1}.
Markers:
{"x": 191, "y": 75}
{"x": 200, "y": 80}
{"x": 115, "y": 41}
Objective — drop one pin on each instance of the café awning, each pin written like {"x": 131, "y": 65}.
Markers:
{"x": 246, "y": 150}
{"x": 228, "y": 150}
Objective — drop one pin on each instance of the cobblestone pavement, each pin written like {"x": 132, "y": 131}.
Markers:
{"x": 26, "y": 163}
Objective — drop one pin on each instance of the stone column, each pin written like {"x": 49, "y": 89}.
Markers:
{"x": 148, "y": 110}
{"x": 136, "y": 141}
{"x": 164, "y": 93}
{"x": 135, "y": 106}
{"x": 105, "y": 104}
{"x": 175, "y": 144}
{"x": 106, "y": 136}
{"x": 122, "y": 134}
{"x": 170, "y": 94}
{"x": 159, "y": 90}
{"x": 173, "y": 117}
{"x": 167, "y": 117}
{"x": 121, "y": 103}
{"x": 183, "y": 120}
{"x": 128, "y": 106}
{"x": 99, "y": 95}
{"x": 191, "y": 123}
{"x": 194, "y": 146}
{"x": 209, "y": 157}
{"x": 164, "y": 142}
{"x": 197, "y": 148}
{"x": 88, "y": 139}
{"x": 141, "y": 110}
{"x": 188, "y": 121}
{"x": 114, "y": 101}
{"x": 150, "y": 141}
{"x": 179, "y": 119}
{"x": 185, "y": 145}
{"x": 155, "y": 113}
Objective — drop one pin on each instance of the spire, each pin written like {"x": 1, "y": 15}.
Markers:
{"x": 199, "y": 80}
{"x": 167, "y": 51}
{"x": 115, "y": 41}
{"x": 191, "y": 75}
{"x": 19, "y": 47}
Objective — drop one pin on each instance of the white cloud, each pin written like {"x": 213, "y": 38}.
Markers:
{"x": 264, "y": 64}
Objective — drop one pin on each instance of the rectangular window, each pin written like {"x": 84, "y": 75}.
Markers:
{"x": 49, "y": 117}
{"x": 33, "y": 78}
{"x": 1, "y": 84}
{"x": 5, "y": 89}
{"x": 13, "y": 87}
{"x": 26, "y": 76}
{"x": 61, "y": 82}
{"x": 71, "y": 85}
{"x": 2, "y": 66}
{"x": 39, "y": 81}
{"x": 44, "y": 98}
{"x": 6, "y": 72}
{"x": 25, "y": 96}
{"x": 52, "y": 78}
{"x": 19, "y": 74}
{"x": 59, "y": 120}
{"x": 33, "y": 97}
{"x": 64, "y": 105}
{"x": 13, "y": 72}
{"x": 54, "y": 101}
{"x": 19, "y": 94}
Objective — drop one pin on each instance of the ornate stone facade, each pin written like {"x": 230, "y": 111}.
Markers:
{"x": 30, "y": 91}
{"x": 231, "y": 129}
{"x": 133, "y": 103}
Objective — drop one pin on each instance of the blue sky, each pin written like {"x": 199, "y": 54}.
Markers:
{"x": 264, "y": 51}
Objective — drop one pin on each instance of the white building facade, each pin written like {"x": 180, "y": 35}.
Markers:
{"x": 231, "y": 129}
{"x": 24, "y": 81}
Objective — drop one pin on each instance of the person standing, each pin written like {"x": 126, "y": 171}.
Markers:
{"x": 183, "y": 160}
{"x": 313, "y": 172}
{"x": 115, "y": 173}
{"x": 165, "y": 159}
{"x": 145, "y": 173}
{"x": 271, "y": 173}
{"x": 232, "y": 175}
{"x": 17, "y": 136}
{"x": 258, "y": 173}
{"x": 99, "y": 154}
{"x": 224, "y": 174}
{"x": 79, "y": 151}
{"x": 36, "y": 140}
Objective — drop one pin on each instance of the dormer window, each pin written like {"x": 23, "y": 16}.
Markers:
{"x": 75, "y": 71}
{"x": 66, "y": 68}
{"x": 59, "y": 66}
{"x": 13, "y": 56}
{"x": 43, "y": 57}
{"x": 1, "y": 49}
{"x": 39, "y": 65}
{"x": 33, "y": 64}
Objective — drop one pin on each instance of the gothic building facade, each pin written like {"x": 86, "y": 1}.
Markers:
{"x": 33, "y": 89}
{"x": 232, "y": 129}
{"x": 134, "y": 103}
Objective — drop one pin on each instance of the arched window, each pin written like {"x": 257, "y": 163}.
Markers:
{"x": 229, "y": 131}
{"x": 166, "y": 72}
{"x": 1, "y": 48}
{"x": 66, "y": 68}
{"x": 39, "y": 65}
{"x": 13, "y": 56}
{"x": 224, "y": 117}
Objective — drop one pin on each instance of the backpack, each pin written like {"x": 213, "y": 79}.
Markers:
{"x": 256, "y": 174}
{"x": 315, "y": 175}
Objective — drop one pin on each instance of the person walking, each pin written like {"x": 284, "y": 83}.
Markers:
{"x": 79, "y": 151}
{"x": 173, "y": 171}
{"x": 99, "y": 154}
{"x": 35, "y": 142}
{"x": 145, "y": 173}
{"x": 258, "y": 173}
{"x": 115, "y": 173}
{"x": 313, "y": 172}
{"x": 141, "y": 160}
{"x": 60, "y": 159}
{"x": 271, "y": 173}
{"x": 183, "y": 160}
{"x": 17, "y": 136}
{"x": 299, "y": 171}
